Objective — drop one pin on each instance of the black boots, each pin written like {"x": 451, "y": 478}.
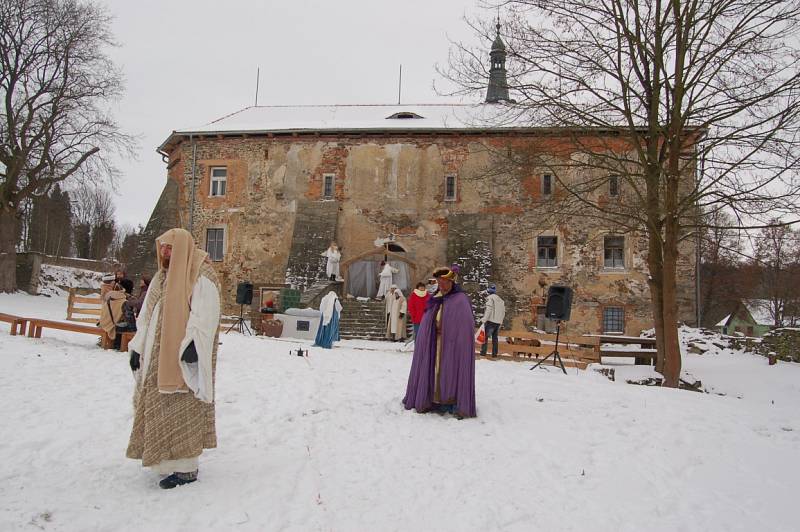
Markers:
{"x": 177, "y": 479}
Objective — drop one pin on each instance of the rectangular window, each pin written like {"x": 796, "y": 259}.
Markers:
{"x": 547, "y": 184}
{"x": 614, "y": 252}
{"x": 547, "y": 252}
{"x": 614, "y": 320}
{"x": 215, "y": 244}
{"x": 328, "y": 189}
{"x": 613, "y": 186}
{"x": 450, "y": 188}
{"x": 219, "y": 180}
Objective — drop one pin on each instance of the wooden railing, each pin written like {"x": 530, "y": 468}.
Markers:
{"x": 83, "y": 308}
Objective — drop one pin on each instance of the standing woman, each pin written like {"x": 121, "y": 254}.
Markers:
{"x": 416, "y": 305}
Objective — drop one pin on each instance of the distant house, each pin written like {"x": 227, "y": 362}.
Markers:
{"x": 750, "y": 317}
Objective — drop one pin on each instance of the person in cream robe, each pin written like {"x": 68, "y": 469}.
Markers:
{"x": 173, "y": 358}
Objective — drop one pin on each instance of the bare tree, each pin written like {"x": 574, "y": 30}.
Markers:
{"x": 126, "y": 238}
{"x": 686, "y": 107}
{"x": 777, "y": 252}
{"x": 726, "y": 275}
{"x": 56, "y": 84}
{"x": 93, "y": 221}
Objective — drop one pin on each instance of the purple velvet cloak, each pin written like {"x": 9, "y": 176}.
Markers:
{"x": 457, "y": 363}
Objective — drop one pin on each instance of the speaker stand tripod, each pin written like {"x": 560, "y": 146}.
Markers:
{"x": 554, "y": 353}
{"x": 239, "y": 324}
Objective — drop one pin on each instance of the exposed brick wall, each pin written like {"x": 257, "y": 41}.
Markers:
{"x": 395, "y": 184}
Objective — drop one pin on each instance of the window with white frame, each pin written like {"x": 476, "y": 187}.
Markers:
{"x": 613, "y": 186}
{"x": 547, "y": 184}
{"x": 547, "y": 251}
{"x": 215, "y": 243}
{"x": 614, "y": 252}
{"x": 450, "y": 188}
{"x": 328, "y": 186}
{"x": 219, "y": 181}
{"x": 614, "y": 320}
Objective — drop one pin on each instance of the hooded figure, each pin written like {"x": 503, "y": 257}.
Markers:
{"x": 334, "y": 256}
{"x": 396, "y": 309}
{"x": 328, "y": 331}
{"x": 442, "y": 375}
{"x": 173, "y": 358}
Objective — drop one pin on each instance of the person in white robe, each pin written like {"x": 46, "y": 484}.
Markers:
{"x": 396, "y": 310}
{"x": 334, "y": 256}
{"x": 385, "y": 277}
{"x": 173, "y": 359}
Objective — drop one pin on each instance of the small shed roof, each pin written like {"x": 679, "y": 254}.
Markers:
{"x": 759, "y": 309}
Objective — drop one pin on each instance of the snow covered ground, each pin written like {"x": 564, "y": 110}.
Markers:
{"x": 323, "y": 443}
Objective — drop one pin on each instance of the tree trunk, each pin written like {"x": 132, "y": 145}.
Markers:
{"x": 8, "y": 250}
{"x": 657, "y": 305}
{"x": 672, "y": 349}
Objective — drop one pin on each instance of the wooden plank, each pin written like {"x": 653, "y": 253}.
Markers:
{"x": 83, "y": 320}
{"x": 546, "y": 337}
{"x": 636, "y": 353}
{"x": 625, "y": 340}
{"x": 545, "y": 350}
{"x": 92, "y": 311}
{"x": 568, "y": 362}
{"x": 18, "y": 324}
{"x": 36, "y": 326}
{"x": 87, "y": 300}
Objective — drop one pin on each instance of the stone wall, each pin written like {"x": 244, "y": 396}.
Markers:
{"x": 29, "y": 267}
{"x": 165, "y": 216}
{"x": 395, "y": 185}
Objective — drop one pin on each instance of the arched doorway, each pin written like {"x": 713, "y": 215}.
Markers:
{"x": 361, "y": 272}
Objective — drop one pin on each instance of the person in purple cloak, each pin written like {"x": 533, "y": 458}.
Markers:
{"x": 442, "y": 376}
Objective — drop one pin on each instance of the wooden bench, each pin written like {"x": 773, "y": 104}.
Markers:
{"x": 18, "y": 323}
{"x": 644, "y": 355}
{"x": 35, "y": 326}
{"x": 126, "y": 338}
{"x": 574, "y": 350}
{"x": 83, "y": 308}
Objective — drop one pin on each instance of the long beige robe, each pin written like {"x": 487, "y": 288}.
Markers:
{"x": 172, "y": 426}
{"x": 396, "y": 327}
{"x": 111, "y": 312}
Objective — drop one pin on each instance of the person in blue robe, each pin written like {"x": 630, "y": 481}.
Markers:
{"x": 328, "y": 331}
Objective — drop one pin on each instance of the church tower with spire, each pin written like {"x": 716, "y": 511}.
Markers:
{"x": 498, "y": 84}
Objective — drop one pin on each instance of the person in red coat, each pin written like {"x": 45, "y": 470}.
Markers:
{"x": 416, "y": 305}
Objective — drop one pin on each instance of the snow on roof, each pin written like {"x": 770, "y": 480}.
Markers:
{"x": 759, "y": 309}
{"x": 406, "y": 117}
{"x": 723, "y": 322}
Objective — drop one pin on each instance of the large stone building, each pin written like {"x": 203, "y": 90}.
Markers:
{"x": 265, "y": 190}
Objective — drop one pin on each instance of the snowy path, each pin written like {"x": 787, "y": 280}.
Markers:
{"x": 324, "y": 444}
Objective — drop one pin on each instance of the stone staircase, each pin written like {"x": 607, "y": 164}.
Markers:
{"x": 364, "y": 320}
{"x": 314, "y": 229}
{"x": 311, "y": 297}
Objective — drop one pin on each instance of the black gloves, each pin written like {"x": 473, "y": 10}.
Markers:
{"x": 189, "y": 354}
{"x": 134, "y": 360}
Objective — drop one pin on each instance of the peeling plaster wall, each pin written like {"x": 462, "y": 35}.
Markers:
{"x": 395, "y": 184}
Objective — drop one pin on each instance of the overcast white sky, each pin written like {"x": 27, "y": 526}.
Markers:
{"x": 190, "y": 62}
